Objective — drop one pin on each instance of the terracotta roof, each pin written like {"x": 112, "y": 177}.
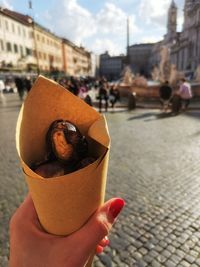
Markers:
{"x": 66, "y": 41}
{"x": 24, "y": 19}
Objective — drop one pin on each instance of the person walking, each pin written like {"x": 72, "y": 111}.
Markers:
{"x": 165, "y": 94}
{"x": 27, "y": 83}
{"x": 82, "y": 90}
{"x": 185, "y": 93}
{"x": 103, "y": 96}
{"x": 20, "y": 87}
{"x": 114, "y": 95}
{"x": 2, "y": 87}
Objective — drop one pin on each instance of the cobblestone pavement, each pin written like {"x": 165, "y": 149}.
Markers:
{"x": 154, "y": 166}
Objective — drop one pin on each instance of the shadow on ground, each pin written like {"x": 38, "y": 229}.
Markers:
{"x": 10, "y": 108}
{"x": 195, "y": 114}
{"x": 151, "y": 116}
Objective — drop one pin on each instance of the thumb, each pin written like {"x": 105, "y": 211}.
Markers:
{"x": 98, "y": 226}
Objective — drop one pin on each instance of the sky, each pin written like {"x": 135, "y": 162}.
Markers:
{"x": 100, "y": 25}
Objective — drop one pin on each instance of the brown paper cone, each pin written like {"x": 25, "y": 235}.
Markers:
{"x": 64, "y": 203}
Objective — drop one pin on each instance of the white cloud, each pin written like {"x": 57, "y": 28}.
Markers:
{"x": 106, "y": 27}
{"x": 150, "y": 39}
{"x": 155, "y": 12}
{"x": 180, "y": 20}
{"x": 6, "y": 4}
{"x": 155, "y": 15}
{"x": 180, "y": 23}
{"x": 111, "y": 19}
{"x": 72, "y": 21}
{"x": 102, "y": 45}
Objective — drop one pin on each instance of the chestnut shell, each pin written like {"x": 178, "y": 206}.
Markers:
{"x": 73, "y": 138}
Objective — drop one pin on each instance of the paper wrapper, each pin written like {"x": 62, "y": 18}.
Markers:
{"x": 63, "y": 203}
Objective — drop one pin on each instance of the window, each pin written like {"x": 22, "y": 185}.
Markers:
{"x": 28, "y": 51}
{"x": 7, "y": 28}
{"x": 21, "y": 51}
{"x": 31, "y": 35}
{"x": 38, "y": 37}
{"x": 24, "y": 32}
{"x": 19, "y": 30}
{"x": 13, "y": 27}
{"x": 15, "y": 48}
{"x": 1, "y": 45}
{"x": 51, "y": 59}
{"x": 8, "y": 45}
{"x": 34, "y": 53}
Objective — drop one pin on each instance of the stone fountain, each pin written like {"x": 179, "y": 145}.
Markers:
{"x": 196, "y": 82}
{"x": 135, "y": 83}
{"x": 165, "y": 71}
{"x": 130, "y": 82}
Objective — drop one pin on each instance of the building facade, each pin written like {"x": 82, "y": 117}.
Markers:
{"x": 139, "y": 58}
{"x": 16, "y": 41}
{"x": 76, "y": 60}
{"x": 47, "y": 49}
{"x": 111, "y": 66}
{"x": 184, "y": 46}
{"x": 82, "y": 62}
{"x": 27, "y": 46}
{"x": 68, "y": 57}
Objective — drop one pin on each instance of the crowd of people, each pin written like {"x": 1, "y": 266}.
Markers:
{"x": 103, "y": 94}
{"x": 90, "y": 90}
{"x": 93, "y": 91}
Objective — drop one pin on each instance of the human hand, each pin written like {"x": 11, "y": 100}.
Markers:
{"x": 31, "y": 246}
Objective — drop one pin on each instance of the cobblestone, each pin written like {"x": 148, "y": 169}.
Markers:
{"x": 154, "y": 166}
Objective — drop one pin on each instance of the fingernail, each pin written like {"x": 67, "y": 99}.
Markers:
{"x": 99, "y": 250}
{"x": 106, "y": 240}
{"x": 116, "y": 206}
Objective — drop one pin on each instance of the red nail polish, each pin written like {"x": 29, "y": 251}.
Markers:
{"x": 106, "y": 240}
{"x": 116, "y": 206}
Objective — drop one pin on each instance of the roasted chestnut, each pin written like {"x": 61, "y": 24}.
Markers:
{"x": 50, "y": 169}
{"x": 85, "y": 162}
{"x": 65, "y": 142}
{"x": 67, "y": 150}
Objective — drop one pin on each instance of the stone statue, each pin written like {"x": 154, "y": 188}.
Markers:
{"x": 164, "y": 64}
{"x": 129, "y": 79}
{"x": 174, "y": 75}
{"x": 155, "y": 74}
{"x": 140, "y": 81}
{"x": 127, "y": 76}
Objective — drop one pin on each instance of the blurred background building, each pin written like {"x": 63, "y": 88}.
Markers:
{"x": 111, "y": 66}
{"x": 139, "y": 58}
{"x": 26, "y": 46}
{"x": 183, "y": 46}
